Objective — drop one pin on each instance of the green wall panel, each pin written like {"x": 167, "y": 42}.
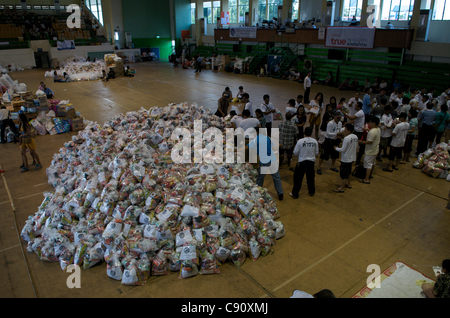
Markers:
{"x": 182, "y": 16}
{"x": 164, "y": 44}
{"x": 146, "y": 19}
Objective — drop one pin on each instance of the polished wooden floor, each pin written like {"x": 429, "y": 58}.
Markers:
{"x": 330, "y": 239}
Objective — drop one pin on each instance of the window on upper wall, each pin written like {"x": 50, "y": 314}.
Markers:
{"x": 351, "y": 9}
{"x": 262, "y": 8}
{"x": 268, "y": 9}
{"x": 397, "y": 10}
{"x": 233, "y": 8}
{"x": 207, "y": 11}
{"x": 441, "y": 10}
{"x": 243, "y": 7}
{"x": 95, "y": 6}
{"x": 272, "y": 8}
{"x": 216, "y": 10}
{"x": 193, "y": 13}
{"x": 295, "y": 9}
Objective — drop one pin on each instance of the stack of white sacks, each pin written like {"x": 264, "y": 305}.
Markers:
{"x": 12, "y": 87}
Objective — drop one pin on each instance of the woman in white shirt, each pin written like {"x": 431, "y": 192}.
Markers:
{"x": 315, "y": 109}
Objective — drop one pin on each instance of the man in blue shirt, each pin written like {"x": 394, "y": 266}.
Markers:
{"x": 198, "y": 64}
{"x": 267, "y": 159}
{"x": 426, "y": 133}
{"x": 367, "y": 105}
{"x": 47, "y": 92}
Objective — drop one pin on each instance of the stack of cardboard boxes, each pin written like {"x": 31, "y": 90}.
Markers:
{"x": 114, "y": 62}
{"x": 33, "y": 105}
{"x": 225, "y": 60}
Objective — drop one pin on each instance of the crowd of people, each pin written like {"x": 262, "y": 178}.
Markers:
{"x": 361, "y": 131}
{"x": 40, "y": 26}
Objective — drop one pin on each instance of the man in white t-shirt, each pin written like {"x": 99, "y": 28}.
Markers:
{"x": 291, "y": 107}
{"x": 248, "y": 104}
{"x": 235, "y": 119}
{"x": 386, "y": 132}
{"x": 352, "y": 103}
{"x": 248, "y": 123}
{"x": 358, "y": 122}
{"x": 268, "y": 110}
{"x": 348, "y": 151}
{"x": 423, "y": 101}
{"x": 371, "y": 150}
{"x": 444, "y": 97}
{"x": 332, "y": 139}
{"x": 306, "y": 149}
{"x": 398, "y": 142}
{"x": 299, "y": 102}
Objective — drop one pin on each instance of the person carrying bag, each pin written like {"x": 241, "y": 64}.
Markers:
{"x": 5, "y": 120}
{"x": 27, "y": 142}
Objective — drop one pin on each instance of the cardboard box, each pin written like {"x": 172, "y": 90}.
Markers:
{"x": 28, "y": 104}
{"x": 17, "y": 103}
{"x": 65, "y": 111}
{"x": 76, "y": 124}
{"x": 43, "y": 101}
{"x": 43, "y": 109}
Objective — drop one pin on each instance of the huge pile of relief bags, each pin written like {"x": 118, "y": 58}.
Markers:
{"x": 79, "y": 69}
{"x": 120, "y": 199}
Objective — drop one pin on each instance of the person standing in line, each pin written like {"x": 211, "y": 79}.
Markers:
{"x": 352, "y": 104}
{"x": 371, "y": 147}
{"x": 398, "y": 142}
{"x": 426, "y": 132}
{"x": 386, "y": 132}
{"x": 367, "y": 105}
{"x": 379, "y": 109}
{"x": 348, "y": 150}
{"x": 410, "y": 136}
{"x": 268, "y": 110}
{"x": 299, "y": 101}
{"x": 306, "y": 149}
{"x": 315, "y": 110}
{"x": 358, "y": 122}
{"x": 331, "y": 140}
{"x": 259, "y": 115}
{"x": 442, "y": 117}
{"x": 300, "y": 121}
{"x": 307, "y": 87}
{"x": 263, "y": 146}
{"x": 288, "y": 133}
{"x": 291, "y": 108}
{"x": 444, "y": 97}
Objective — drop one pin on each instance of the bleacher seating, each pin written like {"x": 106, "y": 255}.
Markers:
{"x": 17, "y": 29}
